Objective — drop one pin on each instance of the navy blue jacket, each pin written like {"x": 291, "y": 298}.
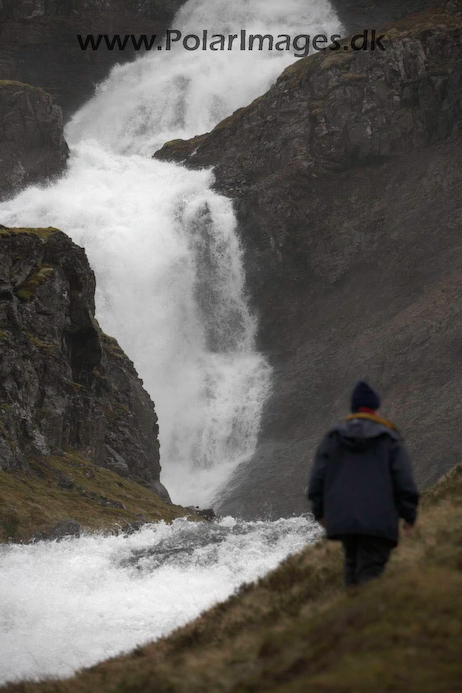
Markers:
{"x": 362, "y": 482}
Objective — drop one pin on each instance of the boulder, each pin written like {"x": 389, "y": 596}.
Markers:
{"x": 161, "y": 491}
{"x": 65, "y": 528}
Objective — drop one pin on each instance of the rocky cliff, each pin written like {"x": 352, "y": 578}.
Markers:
{"x": 64, "y": 385}
{"x": 346, "y": 177}
{"x": 32, "y": 144}
{"x": 357, "y": 15}
{"x": 38, "y": 41}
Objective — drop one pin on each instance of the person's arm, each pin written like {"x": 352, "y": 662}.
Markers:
{"x": 315, "y": 490}
{"x": 406, "y": 494}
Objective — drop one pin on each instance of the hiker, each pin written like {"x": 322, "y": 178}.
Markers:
{"x": 361, "y": 484}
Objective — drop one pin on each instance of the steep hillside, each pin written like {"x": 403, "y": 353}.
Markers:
{"x": 296, "y": 629}
{"x": 346, "y": 178}
{"x": 64, "y": 384}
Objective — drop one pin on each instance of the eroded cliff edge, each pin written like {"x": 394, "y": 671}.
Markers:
{"x": 64, "y": 384}
{"x": 346, "y": 177}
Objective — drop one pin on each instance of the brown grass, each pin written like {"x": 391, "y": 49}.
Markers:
{"x": 297, "y": 631}
{"x": 69, "y": 486}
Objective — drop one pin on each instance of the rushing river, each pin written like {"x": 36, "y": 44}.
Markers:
{"x": 66, "y": 605}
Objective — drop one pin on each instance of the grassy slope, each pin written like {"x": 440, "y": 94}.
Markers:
{"x": 69, "y": 486}
{"x": 296, "y": 630}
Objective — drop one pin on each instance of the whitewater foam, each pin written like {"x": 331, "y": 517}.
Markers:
{"x": 67, "y": 605}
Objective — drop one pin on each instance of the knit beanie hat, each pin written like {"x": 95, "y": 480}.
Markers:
{"x": 364, "y": 396}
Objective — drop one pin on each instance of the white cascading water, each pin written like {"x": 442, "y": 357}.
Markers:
{"x": 68, "y": 605}
{"x": 163, "y": 245}
{"x": 171, "y": 289}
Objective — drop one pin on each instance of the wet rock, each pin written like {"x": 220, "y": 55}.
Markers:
{"x": 106, "y": 502}
{"x": 32, "y": 144}
{"x": 132, "y": 527}
{"x": 208, "y": 513}
{"x": 65, "y": 483}
{"x": 66, "y": 528}
{"x": 116, "y": 462}
{"x": 161, "y": 491}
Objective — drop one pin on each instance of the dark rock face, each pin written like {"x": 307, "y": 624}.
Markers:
{"x": 347, "y": 180}
{"x": 32, "y": 144}
{"x": 408, "y": 96}
{"x": 38, "y": 41}
{"x": 62, "y": 530}
{"x": 63, "y": 383}
{"x": 357, "y": 15}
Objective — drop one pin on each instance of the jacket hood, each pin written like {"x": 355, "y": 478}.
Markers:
{"x": 356, "y": 432}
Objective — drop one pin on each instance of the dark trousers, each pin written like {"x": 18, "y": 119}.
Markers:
{"x": 365, "y": 557}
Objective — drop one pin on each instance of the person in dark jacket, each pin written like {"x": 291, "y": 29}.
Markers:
{"x": 361, "y": 485}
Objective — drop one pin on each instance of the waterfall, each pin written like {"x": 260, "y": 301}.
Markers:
{"x": 163, "y": 244}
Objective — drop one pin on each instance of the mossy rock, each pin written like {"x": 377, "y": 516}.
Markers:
{"x": 179, "y": 150}
{"x": 43, "y": 233}
{"x": 24, "y": 295}
{"x": 28, "y": 289}
{"x": 33, "y": 339}
{"x": 112, "y": 348}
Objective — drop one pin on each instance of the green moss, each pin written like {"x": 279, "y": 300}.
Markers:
{"x": 112, "y": 348}
{"x": 234, "y": 117}
{"x": 178, "y": 150}
{"x": 38, "y": 342}
{"x": 23, "y": 295}
{"x": 44, "y": 234}
{"x": 14, "y": 83}
{"x": 28, "y": 289}
{"x": 77, "y": 386}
